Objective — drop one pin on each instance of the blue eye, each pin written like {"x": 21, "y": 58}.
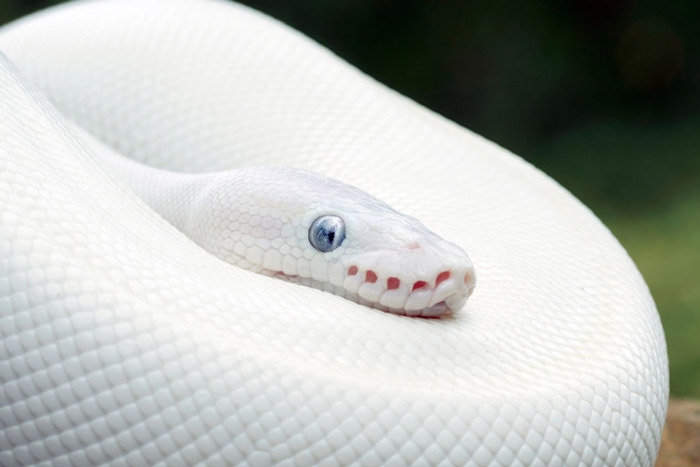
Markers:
{"x": 327, "y": 233}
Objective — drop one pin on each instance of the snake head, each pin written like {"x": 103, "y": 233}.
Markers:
{"x": 389, "y": 260}
{"x": 300, "y": 226}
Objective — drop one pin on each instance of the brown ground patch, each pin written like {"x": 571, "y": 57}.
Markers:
{"x": 680, "y": 444}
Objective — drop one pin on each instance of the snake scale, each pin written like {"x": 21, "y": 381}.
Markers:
{"x": 125, "y": 342}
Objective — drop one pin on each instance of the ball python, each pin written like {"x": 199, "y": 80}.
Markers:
{"x": 124, "y": 342}
{"x": 306, "y": 228}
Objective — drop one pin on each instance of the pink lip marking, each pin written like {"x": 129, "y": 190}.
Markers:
{"x": 371, "y": 277}
{"x": 443, "y": 276}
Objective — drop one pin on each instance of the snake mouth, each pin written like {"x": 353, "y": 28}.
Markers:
{"x": 434, "y": 311}
{"x": 434, "y": 296}
{"x": 445, "y": 293}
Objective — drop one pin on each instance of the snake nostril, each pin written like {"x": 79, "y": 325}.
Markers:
{"x": 353, "y": 270}
{"x": 371, "y": 277}
{"x": 393, "y": 283}
{"x": 443, "y": 276}
{"x": 419, "y": 284}
{"x": 468, "y": 278}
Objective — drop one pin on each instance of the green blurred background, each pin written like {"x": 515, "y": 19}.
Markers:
{"x": 603, "y": 95}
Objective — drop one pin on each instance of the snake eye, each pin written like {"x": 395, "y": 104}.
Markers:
{"x": 327, "y": 233}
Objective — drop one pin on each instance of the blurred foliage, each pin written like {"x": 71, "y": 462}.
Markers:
{"x": 601, "y": 94}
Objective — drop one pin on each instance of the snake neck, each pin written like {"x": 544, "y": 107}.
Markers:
{"x": 171, "y": 195}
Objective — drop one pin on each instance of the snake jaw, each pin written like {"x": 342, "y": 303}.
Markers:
{"x": 446, "y": 293}
{"x": 430, "y": 294}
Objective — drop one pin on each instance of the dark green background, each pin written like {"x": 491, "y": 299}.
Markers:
{"x": 603, "y": 95}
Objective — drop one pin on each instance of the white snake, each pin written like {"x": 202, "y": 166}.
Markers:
{"x": 306, "y": 228}
{"x": 124, "y": 342}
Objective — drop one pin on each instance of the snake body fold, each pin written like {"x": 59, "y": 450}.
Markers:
{"x": 124, "y": 342}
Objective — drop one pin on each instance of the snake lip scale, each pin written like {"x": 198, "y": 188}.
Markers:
{"x": 429, "y": 299}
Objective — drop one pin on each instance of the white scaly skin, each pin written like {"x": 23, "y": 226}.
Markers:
{"x": 122, "y": 342}
{"x": 259, "y": 218}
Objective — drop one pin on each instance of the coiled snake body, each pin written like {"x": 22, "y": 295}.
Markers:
{"x": 125, "y": 342}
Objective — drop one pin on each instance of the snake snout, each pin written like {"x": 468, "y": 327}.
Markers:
{"x": 446, "y": 292}
{"x": 429, "y": 295}
{"x": 415, "y": 274}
